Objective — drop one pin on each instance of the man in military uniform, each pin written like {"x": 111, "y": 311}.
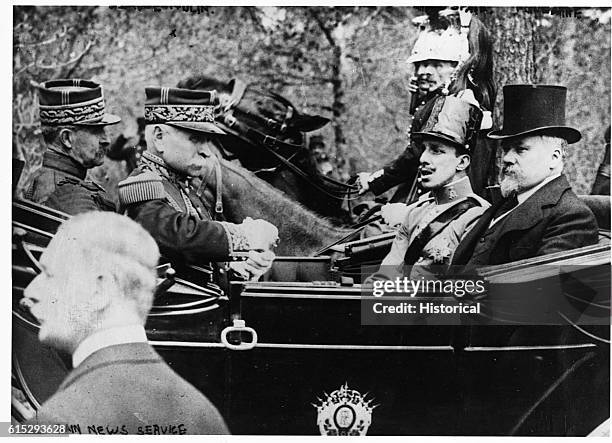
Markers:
{"x": 453, "y": 60}
{"x": 435, "y": 224}
{"x": 73, "y": 121}
{"x": 165, "y": 194}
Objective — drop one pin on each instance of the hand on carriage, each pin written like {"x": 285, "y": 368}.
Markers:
{"x": 394, "y": 213}
{"x": 255, "y": 265}
{"x": 259, "y": 233}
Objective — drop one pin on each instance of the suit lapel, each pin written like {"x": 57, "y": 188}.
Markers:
{"x": 466, "y": 247}
{"x": 523, "y": 217}
{"x": 529, "y": 213}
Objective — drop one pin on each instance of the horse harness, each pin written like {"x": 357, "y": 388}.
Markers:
{"x": 269, "y": 143}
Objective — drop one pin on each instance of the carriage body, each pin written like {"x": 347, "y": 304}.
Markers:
{"x": 302, "y": 341}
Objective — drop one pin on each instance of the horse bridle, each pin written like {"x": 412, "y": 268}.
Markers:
{"x": 269, "y": 143}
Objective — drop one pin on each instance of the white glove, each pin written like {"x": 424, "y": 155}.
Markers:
{"x": 413, "y": 86}
{"x": 362, "y": 180}
{"x": 394, "y": 213}
{"x": 255, "y": 265}
{"x": 259, "y": 233}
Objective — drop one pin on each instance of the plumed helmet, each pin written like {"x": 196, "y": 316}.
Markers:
{"x": 448, "y": 44}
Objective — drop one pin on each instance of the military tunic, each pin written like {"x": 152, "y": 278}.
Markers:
{"x": 438, "y": 251}
{"x": 175, "y": 212}
{"x": 60, "y": 184}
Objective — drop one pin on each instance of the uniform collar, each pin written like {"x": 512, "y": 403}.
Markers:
{"x": 159, "y": 164}
{"x": 108, "y": 337}
{"x": 453, "y": 191}
{"x": 62, "y": 162}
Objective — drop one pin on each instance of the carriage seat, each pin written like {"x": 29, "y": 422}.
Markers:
{"x": 600, "y": 206}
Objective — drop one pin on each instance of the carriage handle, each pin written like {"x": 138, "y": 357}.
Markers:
{"x": 166, "y": 283}
{"x": 238, "y": 326}
{"x": 19, "y": 238}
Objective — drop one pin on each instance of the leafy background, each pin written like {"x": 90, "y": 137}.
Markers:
{"x": 346, "y": 63}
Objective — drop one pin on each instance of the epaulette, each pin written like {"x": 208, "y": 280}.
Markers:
{"x": 141, "y": 187}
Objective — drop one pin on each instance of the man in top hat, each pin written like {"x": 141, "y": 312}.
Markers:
{"x": 435, "y": 224}
{"x": 540, "y": 213}
{"x": 73, "y": 122}
{"x": 92, "y": 300}
{"x": 165, "y": 194}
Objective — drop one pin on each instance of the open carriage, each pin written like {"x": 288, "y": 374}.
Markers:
{"x": 290, "y": 355}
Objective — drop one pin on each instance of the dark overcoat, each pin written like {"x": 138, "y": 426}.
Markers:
{"x": 129, "y": 389}
{"x": 553, "y": 219}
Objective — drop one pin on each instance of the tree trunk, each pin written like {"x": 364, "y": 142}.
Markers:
{"x": 514, "y": 49}
{"x": 338, "y": 109}
{"x": 513, "y": 32}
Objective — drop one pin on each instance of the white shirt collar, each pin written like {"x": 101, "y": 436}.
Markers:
{"x": 529, "y": 192}
{"x": 108, "y": 337}
{"x": 523, "y": 196}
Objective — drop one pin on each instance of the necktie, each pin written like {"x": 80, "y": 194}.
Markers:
{"x": 506, "y": 205}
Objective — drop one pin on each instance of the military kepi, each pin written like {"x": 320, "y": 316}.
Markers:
{"x": 183, "y": 108}
{"x": 73, "y": 102}
{"x": 454, "y": 121}
{"x": 535, "y": 109}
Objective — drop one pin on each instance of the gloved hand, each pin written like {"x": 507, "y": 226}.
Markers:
{"x": 413, "y": 86}
{"x": 363, "y": 182}
{"x": 255, "y": 265}
{"x": 260, "y": 234}
{"x": 394, "y": 213}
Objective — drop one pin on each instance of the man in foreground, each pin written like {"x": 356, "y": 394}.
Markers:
{"x": 540, "y": 213}
{"x": 73, "y": 124}
{"x": 92, "y": 300}
{"x": 434, "y": 225}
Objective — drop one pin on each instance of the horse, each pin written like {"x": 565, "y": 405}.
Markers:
{"x": 269, "y": 137}
{"x": 302, "y": 232}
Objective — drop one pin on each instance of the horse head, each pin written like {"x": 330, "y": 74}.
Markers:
{"x": 256, "y": 117}
{"x": 268, "y": 134}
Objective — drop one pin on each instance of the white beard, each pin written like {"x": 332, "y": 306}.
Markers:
{"x": 510, "y": 183}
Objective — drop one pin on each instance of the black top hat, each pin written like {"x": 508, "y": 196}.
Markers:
{"x": 73, "y": 102}
{"x": 535, "y": 108}
{"x": 453, "y": 120}
{"x": 183, "y": 108}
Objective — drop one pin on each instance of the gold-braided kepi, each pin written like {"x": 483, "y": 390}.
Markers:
{"x": 73, "y": 102}
{"x": 183, "y": 108}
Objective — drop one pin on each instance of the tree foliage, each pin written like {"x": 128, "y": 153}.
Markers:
{"x": 346, "y": 63}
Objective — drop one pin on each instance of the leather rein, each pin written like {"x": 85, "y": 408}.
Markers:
{"x": 269, "y": 143}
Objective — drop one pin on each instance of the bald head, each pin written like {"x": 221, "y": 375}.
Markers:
{"x": 98, "y": 271}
